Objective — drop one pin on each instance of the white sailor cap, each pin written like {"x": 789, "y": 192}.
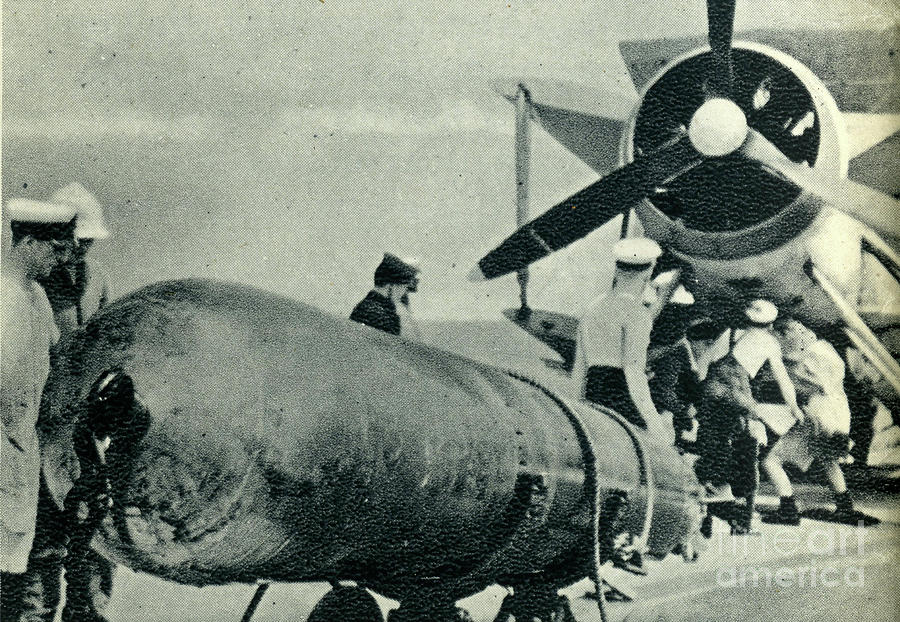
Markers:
{"x": 680, "y": 296}
{"x": 38, "y": 212}
{"x": 90, "y": 223}
{"x": 761, "y": 311}
{"x": 636, "y": 252}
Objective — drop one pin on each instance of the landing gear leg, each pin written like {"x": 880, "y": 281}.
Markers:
{"x": 535, "y": 602}
{"x": 254, "y": 602}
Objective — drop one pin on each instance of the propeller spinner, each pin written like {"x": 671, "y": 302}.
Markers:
{"x": 719, "y": 127}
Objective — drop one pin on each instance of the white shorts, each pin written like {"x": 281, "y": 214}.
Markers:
{"x": 831, "y": 410}
{"x": 803, "y": 443}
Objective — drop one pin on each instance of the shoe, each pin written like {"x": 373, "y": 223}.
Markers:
{"x": 744, "y": 530}
{"x": 854, "y": 518}
{"x": 847, "y": 515}
{"x": 787, "y": 513}
{"x": 718, "y": 494}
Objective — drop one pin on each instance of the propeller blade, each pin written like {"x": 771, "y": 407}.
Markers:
{"x": 720, "y": 18}
{"x": 871, "y": 207}
{"x": 588, "y": 209}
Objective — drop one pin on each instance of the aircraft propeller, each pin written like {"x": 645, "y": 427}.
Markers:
{"x": 871, "y": 207}
{"x": 588, "y": 209}
{"x": 720, "y": 20}
{"x": 718, "y": 128}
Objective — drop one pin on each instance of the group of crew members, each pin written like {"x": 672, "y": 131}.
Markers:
{"x": 727, "y": 391}
{"x": 737, "y": 387}
{"x": 49, "y": 286}
{"x": 703, "y": 385}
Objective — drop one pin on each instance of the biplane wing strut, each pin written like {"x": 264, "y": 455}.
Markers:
{"x": 860, "y": 334}
{"x": 523, "y": 167}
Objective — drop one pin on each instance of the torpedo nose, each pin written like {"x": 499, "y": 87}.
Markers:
{"x": 718, "y": 127}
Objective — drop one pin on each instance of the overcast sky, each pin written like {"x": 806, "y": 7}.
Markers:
{"x": 288, "y": 144}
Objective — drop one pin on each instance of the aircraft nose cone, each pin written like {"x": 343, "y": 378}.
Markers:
{"x": 718, "y": 127}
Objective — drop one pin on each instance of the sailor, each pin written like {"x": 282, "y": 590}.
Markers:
{"x": 730, "y": 430}
{"x": 37, "y": 236}
{"x": 818, "y": 373}
{"x": 614, "y": 334}
{"x": 79, "y": 288}
{"x": 678, "y": 372}
{"x": 394, "y": 280}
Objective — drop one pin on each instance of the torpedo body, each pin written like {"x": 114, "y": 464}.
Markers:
{"x": 284, "y": 444}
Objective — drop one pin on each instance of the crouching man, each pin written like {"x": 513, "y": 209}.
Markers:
{"x": 818, "y": 374}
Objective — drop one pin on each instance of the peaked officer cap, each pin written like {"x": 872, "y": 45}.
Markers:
{"x": 393, "y": 270}
{"x": 90, "y": 224}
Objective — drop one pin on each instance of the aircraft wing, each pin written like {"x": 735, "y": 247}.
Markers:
{"x": 879, "y": 166}
{"x": 559, "y": 330}
{"x": 859, "y": 67}
{"x": 588, "y": 121}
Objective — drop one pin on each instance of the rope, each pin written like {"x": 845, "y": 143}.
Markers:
{"x": 587, "y": 446}
{"x": 646, "y": 475}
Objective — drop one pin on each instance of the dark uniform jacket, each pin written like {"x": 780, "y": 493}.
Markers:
{"x": 674, "y": 385}
{"x": 378, "y": 312}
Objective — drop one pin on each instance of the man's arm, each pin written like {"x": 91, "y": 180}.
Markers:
{"x": 634, "y": 344}
{"x": 639, "y": 390}
{"x": 15, "y": 333}
{"x": 785, "y": 384}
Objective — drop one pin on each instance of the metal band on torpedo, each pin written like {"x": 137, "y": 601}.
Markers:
{"x": 646, "y": 474}
{"x": 588, "y": 448}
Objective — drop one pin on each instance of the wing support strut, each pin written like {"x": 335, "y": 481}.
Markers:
{"x": 254, "y": 602}
{"x": 879, "y": 249}
{"x": 524, "y": 114}
{"x": 860, "y": 334}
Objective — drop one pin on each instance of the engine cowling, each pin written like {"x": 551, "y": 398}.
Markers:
{"x": 732, "y": 221}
